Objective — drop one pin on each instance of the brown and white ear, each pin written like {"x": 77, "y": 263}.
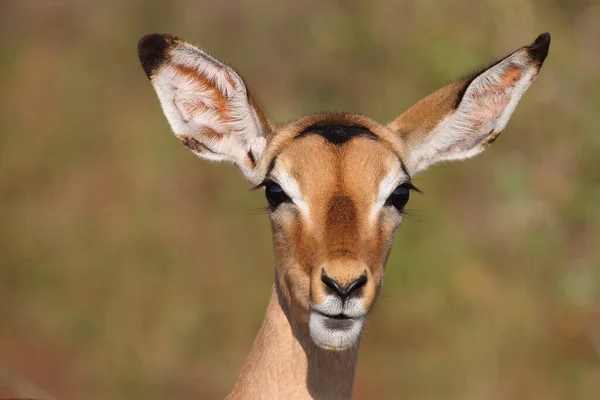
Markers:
{"x": 460, "y": 120}
{"x": 206, "y": 103}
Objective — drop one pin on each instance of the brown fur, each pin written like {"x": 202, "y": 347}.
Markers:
{"x": 284, "y": 363}
{"x": 339, "y": 238}
{"x": 424, "y": 116}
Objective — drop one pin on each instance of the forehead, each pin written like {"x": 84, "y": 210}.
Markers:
{"x": 336, "y": 153}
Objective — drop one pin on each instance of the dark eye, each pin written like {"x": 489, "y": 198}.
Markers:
{"x": 275, "y": 194}
{"x": 400, "y": 196}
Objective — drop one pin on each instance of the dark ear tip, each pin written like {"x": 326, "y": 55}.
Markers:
{"x": 538, "y": 50}
{"x": 153, "y": 50}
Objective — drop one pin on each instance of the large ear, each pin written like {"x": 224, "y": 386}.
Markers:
{"x": 460, "y": 120}
{"x": 206, "y": 103}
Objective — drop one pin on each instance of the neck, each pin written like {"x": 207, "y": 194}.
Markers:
{"x": 284, "y": 362}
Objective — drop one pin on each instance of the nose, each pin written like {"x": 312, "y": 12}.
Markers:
{"x": 352, "y": 289}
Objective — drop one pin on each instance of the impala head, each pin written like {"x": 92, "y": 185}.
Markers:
{"x": 336, "y": 184}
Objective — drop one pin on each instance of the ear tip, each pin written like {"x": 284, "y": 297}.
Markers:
{"x": 538, "y": 50}
{"x": 153, "y": 49}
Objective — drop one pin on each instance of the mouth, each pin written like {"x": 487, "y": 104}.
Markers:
{"x": 337, "y": 316}
{"x": 335, "y": 332}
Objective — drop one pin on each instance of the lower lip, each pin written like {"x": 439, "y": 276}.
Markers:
{"x": 335, "y": 333}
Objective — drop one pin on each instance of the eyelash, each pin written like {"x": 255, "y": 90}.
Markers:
{"x": 263, "y": 184}
{"x": 410, "y": 186}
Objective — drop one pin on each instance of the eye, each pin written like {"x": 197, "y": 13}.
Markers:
{"x": 400, "y": 196}
{"x": 275, "y": 194}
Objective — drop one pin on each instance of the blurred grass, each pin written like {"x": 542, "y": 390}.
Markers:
{"x": 128, "y": 268}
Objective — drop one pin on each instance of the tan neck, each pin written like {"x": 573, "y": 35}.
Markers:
{"x": 284, "y": 363}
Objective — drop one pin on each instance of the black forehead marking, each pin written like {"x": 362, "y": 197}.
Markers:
{"x": 337, "y": 133}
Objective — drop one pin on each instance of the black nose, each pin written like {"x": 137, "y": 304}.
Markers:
{"x": 350, "y": 290}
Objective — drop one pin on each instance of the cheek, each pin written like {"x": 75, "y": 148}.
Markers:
{"x": 294, "y": 238}
{"x": 295, "y": 254}
{"x": 381, "y": 242}
{"x": 288, "y": 236}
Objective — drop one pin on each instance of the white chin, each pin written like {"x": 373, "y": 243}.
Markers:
{"x": 334, "y": 334}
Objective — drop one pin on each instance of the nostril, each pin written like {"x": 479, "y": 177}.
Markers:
{"x": 355, "y": 286}
{"x": 353, "y": 289}
{"x": 333, "y": 285}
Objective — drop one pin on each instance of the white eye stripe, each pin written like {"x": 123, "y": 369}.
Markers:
{"x": 292, "y": 189}
{"x": 386, "y": 187}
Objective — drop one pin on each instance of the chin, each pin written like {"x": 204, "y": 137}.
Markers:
{"x": 335, "y": 334}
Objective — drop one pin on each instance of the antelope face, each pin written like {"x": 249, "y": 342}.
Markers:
{"x": 336, "y": 187}
{"x": 336, "y": 184}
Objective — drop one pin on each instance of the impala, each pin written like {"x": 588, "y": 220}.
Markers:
{"x": 336, "y": 185}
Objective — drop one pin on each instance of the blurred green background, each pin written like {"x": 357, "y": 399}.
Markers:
{"x": 131, "y": 269}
